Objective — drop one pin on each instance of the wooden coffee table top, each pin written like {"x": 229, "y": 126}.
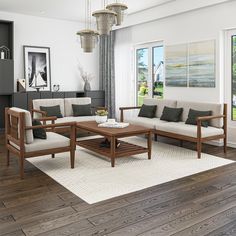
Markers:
{"x": 92, "y": 126}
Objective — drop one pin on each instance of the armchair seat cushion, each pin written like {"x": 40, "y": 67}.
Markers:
{"x": 188, "y": 130}
{"x": 53, "y": 140}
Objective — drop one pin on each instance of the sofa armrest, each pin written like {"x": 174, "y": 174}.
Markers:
{"x": 202, "y": 118}
{"x": 122, "y": 109}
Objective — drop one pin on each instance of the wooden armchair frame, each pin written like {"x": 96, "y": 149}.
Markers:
{"x": 15, "y": 134}
{"x": 199, "y": 139}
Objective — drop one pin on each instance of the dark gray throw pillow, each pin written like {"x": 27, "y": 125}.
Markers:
{"x": 52, "y": 111}
{"x": 81, "y": 110}
{"x": 40, "y": 132}
{"x": 171, "y": 114}
{"x": 148, "y": 111}
{"x": 194, "y": 114}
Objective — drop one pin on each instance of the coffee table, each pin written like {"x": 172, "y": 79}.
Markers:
{"x": 112, "y": 134}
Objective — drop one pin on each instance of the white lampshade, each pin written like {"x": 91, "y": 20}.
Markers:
{"x": 105, "y": 20}
{"x": 119, "y": 9}
{"x": 88, "y": 39}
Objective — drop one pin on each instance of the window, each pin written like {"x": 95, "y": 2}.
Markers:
{"x": 233, "y": 73}
{"x": 142, "y": 74}
{"x": 149, "y": 72}
{"x": 158, "y": 71}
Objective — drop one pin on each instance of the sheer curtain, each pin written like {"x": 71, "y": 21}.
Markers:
{"x": 107, "y": 70}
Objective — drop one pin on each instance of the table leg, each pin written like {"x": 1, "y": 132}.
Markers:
{"x": 113, "y": 149}
{"x": 149, "y": 144}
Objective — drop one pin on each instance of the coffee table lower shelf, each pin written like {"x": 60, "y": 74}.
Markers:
{"x": 125, "y": 149}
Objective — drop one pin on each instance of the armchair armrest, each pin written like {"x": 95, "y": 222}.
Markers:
{"x": 49, "y": 118}
{"x": 66, "y": 124}
{"x": 43, "y": 113}
{"x": 122, "y": 109}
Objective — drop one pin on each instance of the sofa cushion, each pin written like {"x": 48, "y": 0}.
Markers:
{"x": 194, "y": 114}
{"x": 40, "y": 132}
{"x": 78, "y": 101}
{"x": 171, "y": 114}
{"x": 217, "y": 109}
{"x": 81, "y": 110}
{"x": 53, "y": 140}
{"x": 160, "y": 103}
{"x": 148, "y": 111}
{"x": 187, "y": 130}
{"x": 143, "y": 121}
{"x": 47, "y": 103}
{"x": 29, "y": 138}
{"x": 52, "y": 111}
{"x": 74, "y": 119}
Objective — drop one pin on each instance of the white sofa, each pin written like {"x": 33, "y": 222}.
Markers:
{"x": 217, "y": 128}
{"x": 65, "y": 106}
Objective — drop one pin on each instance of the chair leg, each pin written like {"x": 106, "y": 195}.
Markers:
{"x": 22, "y": 160}
{"x": 72, "y": 158}
{"x": 8, "y": 158}
{"x": 53, "y": 155}
{"x": 199, "y": 149}
{"x": 225, "y": 145}
{"x": 155, "y": 137}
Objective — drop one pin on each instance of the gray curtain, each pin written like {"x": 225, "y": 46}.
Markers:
{"x": 107, "y": 71}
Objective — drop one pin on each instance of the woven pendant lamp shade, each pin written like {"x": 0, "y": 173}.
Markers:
{"x": 88, "y": 39}
{"x": 105, "y": 20}
{"x": 119, "y": 9}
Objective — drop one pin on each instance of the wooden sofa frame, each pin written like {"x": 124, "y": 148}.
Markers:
{"x": 15, "y": 133}
{"x": 199, "y": 140}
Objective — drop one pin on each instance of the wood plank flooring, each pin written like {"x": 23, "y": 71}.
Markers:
{"x": 201, "y": 204}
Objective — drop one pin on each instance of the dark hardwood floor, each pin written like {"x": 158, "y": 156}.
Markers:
{"x": 202, "y": 204}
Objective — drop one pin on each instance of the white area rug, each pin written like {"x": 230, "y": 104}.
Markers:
{"x": 94, "y": 180}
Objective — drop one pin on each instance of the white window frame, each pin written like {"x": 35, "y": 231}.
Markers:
{"x": 228, "y": 75}
{"x": 150, "y": 47}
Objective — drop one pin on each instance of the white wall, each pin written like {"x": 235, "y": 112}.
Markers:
{"x": 60, "y": 36}
{"x": 203, "y": 24}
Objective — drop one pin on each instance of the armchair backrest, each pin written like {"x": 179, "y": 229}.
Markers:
{"x": 16, "y": 119}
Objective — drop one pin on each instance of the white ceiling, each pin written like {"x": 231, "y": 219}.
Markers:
{"x": 69, "y": 9}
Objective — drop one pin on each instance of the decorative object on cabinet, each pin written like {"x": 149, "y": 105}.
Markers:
{"x": 87, "y": 78}
{"x": 4, "y": 52}
{"x": 56, "y": 87}
{"x": 21, "y": 85}
{"x": 37, "y": 68}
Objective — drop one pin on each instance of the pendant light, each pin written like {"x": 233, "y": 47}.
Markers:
{"x": 105, "y": 20}
{"x": 88, "y": 37}
{"x": 119, "y": 9}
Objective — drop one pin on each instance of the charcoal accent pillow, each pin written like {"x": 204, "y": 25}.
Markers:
{"x": 194, "y": 114}
{"x": 147, "y": 111}
{"x": 52, "y": 111}
{"x": 40, "y": 132}
{"x": 171, "y": 114}
{"x": 81, "y": 110}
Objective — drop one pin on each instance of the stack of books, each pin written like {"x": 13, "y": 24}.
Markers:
{"x": 118, "y": 125}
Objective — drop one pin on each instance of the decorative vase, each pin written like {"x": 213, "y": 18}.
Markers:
{"x": 87, "y": 86}
{"x": 100, "y": 119}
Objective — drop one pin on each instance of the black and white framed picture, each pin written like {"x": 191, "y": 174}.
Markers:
{"x": 37, "y": 68}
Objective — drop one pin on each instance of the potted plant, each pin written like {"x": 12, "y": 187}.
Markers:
{"x": 101, "y": 116}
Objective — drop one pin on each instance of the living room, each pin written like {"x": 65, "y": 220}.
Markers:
{"x": 152, "y": 82}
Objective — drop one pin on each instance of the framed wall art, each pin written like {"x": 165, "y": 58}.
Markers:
{"x": 37, "y": 68}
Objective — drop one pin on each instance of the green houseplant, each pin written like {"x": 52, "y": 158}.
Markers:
{"x": 101, "y": 116}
